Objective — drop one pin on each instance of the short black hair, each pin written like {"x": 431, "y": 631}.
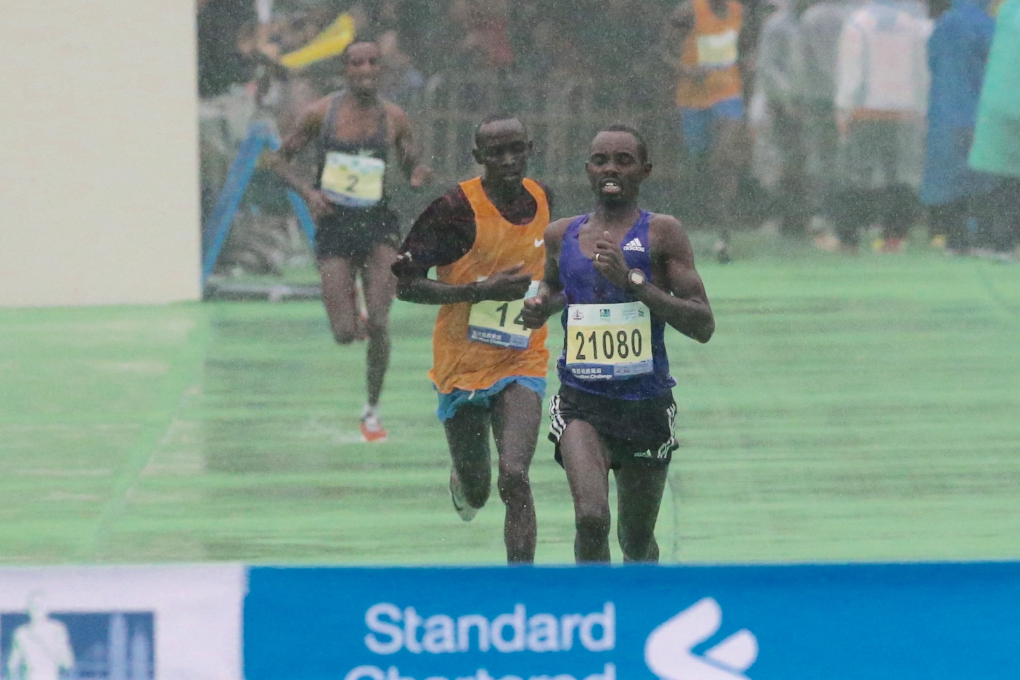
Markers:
{"x": 633, "y": 131}
{"x": 360, "y": 40}
{"x": 495, "y": 118}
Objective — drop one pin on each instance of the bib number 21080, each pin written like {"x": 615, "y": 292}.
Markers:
{"x": 609, "y": 342}
{"x": 608, "y": 345}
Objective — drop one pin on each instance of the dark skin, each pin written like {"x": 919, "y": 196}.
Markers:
{"x": 502, "y": 149}
{"x": 616, "y": 170}
{"x": 359, "y": 117}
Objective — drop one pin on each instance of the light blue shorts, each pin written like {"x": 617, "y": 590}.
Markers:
{"x": 449, "y": 403}
{"x": 699, "y": 124}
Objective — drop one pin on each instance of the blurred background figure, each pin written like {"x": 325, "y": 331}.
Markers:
{"x": 402, "y": 83}
{"x": 485, "y": 41}
{"x": 781, "y": 78}
{"x": 956, "y": 195}
{"x": 881, "y": 100}
{"x": 226, "y": 105}
{"x": 997, "y": 135}
{"x": 821, "y": 27}
{"x": 704, "y": 45}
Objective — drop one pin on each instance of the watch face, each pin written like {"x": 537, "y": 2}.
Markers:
{"x": 637, "y": 277}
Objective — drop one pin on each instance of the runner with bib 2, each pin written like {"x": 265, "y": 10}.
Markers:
{"x": 356, "y": 133}
{"x": 618, "y": 276}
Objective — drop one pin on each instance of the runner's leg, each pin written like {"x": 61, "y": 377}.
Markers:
{"x": 516, "y": 417}
{"x": 380, "y": 289}
{"x": 639, "y": 487}
{"x": 338, "y": 297}
{"x": 586, "y": 460}
{"x": 467, "y": 434}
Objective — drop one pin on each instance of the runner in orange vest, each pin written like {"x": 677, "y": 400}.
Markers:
{"x": 486, "y": 239}
{"x": 705, "y": 45}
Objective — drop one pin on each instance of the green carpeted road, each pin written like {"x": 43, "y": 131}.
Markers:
{"x": 846, "y": 410}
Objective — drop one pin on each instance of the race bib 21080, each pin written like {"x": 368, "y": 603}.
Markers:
{"x": 609, "y": 342}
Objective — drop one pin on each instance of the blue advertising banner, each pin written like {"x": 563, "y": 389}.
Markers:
{"x": 635, "y": 623}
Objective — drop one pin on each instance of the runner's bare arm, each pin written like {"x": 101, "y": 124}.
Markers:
{"x": 505, "y": 286}
{"x": 550, "y": 299}
{"x": 408, "y": 153}
{"x": 680, "y": 300}
{"x": 308, "y": 129}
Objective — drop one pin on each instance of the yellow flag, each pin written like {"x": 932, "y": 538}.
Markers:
{"x": 331, "y": 42}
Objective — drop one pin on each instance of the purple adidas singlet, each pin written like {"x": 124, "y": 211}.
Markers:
{"x": 583, "y": 285}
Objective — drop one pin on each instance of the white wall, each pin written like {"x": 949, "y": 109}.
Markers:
{"x": 98, "y": 152}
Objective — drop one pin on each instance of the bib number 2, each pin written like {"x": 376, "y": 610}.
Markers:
{"x": 609, "y": 342}
{"x": 501, "y": 323}
{"x": 354, "y": 181}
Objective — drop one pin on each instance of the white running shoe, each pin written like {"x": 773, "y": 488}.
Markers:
{"x": 460, "y": 504}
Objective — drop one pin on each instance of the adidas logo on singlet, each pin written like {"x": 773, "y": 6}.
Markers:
{"x": 635, "y": 245}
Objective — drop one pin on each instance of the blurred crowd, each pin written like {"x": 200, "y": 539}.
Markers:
{"x": 859, "y": 115}
{"x": 868, "y": 110}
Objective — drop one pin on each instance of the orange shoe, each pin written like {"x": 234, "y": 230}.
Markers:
{"x": 372, "y": 430}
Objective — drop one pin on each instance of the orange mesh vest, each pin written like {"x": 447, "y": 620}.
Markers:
{"x": 459, "y": 363}
{"x": 712, "y": 43}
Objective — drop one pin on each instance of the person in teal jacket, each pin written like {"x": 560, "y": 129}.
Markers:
{"x": 996, "y": 147}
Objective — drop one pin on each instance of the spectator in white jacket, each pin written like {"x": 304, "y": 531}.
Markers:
{"x": 881, "y": 101}
{"x": 820, "y": 29}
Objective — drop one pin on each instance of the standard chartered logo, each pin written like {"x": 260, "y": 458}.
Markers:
{"x": 393, "y": 630}
{"x": 668, "y": 649}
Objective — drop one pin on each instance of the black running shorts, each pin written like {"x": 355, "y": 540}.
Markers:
{"x": 353, "y": 233}
{"x": 635, "y": 431}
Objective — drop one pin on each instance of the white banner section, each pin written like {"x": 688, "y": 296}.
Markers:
{"x": 122, "y": 623}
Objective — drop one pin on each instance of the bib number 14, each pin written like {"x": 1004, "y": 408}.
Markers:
{"x": 501, "y": 323}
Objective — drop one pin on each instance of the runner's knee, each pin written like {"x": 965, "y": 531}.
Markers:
{"x": 344, "y": 334}
{"x": 513, "y": 480}
{"x": 476, "y": 492}
{"x": 377, "y": 327}
{"x": 593, "y": 523}
{"x": 636, "y": 542}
